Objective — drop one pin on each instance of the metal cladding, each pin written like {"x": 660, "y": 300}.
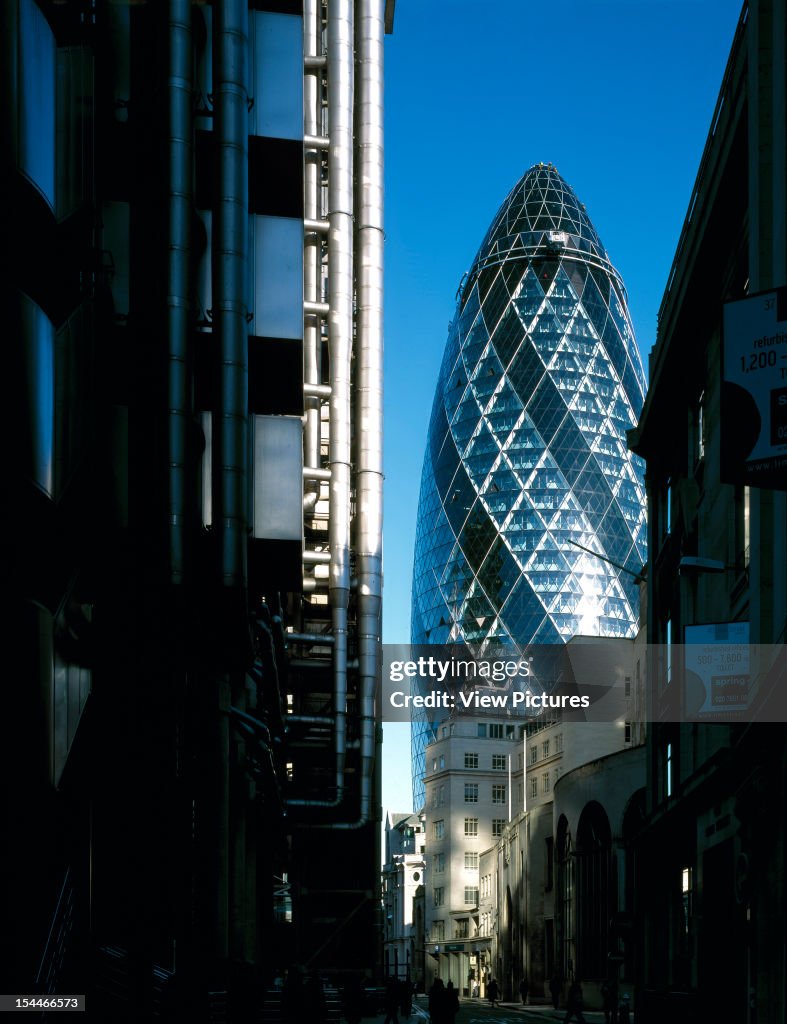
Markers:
{"x": 526, "y": 463}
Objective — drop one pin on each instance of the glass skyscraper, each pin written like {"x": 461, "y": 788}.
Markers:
{"x": 526, "y": 473}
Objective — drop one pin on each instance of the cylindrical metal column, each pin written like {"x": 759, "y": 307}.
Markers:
{"x": 369, "y": 373}
{"x": 180, "y": 207}
{"x": 229, "y": 273}
{"x": 340, "y": 327}
{"x": 230, "y": 419}
{"x": 311, "y": 251}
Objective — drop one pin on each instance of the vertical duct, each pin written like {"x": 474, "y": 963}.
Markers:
{"x": 369, "y": 371}
{"x": 368, "y": 238}
{"x": 230, "y": 425}
{"x": 340, "y": 329}
{"x": 311, "y": 254}
{"x": 180, "y": 202}
{"x": 229, "y": 274}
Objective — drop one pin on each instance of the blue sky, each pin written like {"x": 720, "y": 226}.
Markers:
{"x": 617, "y": 94}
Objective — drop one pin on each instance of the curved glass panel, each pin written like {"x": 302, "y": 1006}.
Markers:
{"x": 526, "y": 472}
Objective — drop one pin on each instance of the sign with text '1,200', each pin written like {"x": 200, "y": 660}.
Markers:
{"x": 754, "y": 391}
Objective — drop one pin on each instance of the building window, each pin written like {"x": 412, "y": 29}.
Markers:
{"x": 509, "y": 732}
{"x": 533, "y": 785}
{"x": 471, "y": 760}
{"x": 534, "y": 754}
{"x": 498, "y": 794}
{"x": 668, "y": 652}
{"x": 438, "y": 931}
{"x": 434, "y": 764}
{"x": 701, "y": 428}
{"x": 481, "y": 729}
{"x": 442, "y": 761}
{"x": 439, "y": 895}
{"x": 462, "y": 930}
{"x": 471, "y": 895}
{"x": 549, "y": 860}
{"x": 498, "y": 824}
{"x": 686, "y": 901}
{"x": 439, "y": 829}
{"x": 668, "y": 509}
{"x": 668, "y": 770}
{"x": 545, "y": 782}
{"x": 627, "y": 732}
{"x": 498, "y": 762}
{"x": 559, "y": 743}
{"x": 471, "y": 793}
{"x": 471, "y": 826}
{"x": 471, "y": 861}
{"x": 742, "y": 539}
{"x": 496, "y": 731}
{"x": 441, "y": 800}
{"x": 545, "y": 748}
{"x": 627, "y": 687}
{"x": 439, "y": 863}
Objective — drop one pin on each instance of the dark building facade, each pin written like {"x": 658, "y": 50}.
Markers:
{"x": 710, "y": 935}
{"x": 192, "y": 516}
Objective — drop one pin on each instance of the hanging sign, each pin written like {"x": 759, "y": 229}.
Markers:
{"x": 754, "y": 391}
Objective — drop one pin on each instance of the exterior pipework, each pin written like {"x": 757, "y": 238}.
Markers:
{"x": 369, "y": 375}
{"x": 180, "y": 158}
{"x": 340, "y": 329}
{"x": 229, "y": 272}
{"x": 311, "y": 252}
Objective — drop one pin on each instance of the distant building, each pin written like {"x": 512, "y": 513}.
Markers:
{"x": 556, "y": 886}
{"x": 474, "y": 771}
{"x": 403, "y": 887}
{"x": 710, "y": 904}
{"x": 526, "y": 476}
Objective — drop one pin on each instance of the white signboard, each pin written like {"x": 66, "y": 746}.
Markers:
{"x": 754, "y": 381}
{"x": 717, "y": 670}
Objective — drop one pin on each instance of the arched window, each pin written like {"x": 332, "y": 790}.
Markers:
{"x": 564, "y": 954}
{"x": 594, "y": 891}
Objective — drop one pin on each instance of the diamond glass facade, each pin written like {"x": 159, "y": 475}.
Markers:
{"x": 526, "y": 464}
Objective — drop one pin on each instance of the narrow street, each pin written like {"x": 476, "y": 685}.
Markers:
{"x": 478, "y": 1011}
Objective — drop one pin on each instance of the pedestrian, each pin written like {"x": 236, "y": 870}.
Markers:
{"x": 451, "y": 1003}
{"x": 392, "y": 1000}
{"x": 437, "y": 1002}
{"x": 574, "y": 1003}
{"x": 523, "y": 990}
{"x": 493, "y": 992}
{"x": 554, "y": 989}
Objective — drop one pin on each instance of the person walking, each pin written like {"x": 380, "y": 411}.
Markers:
{"x": 574, "y": 1003}
{"x": 437, "y": 1002}
{"x": 523, "y": 990}
{"x": 451, "y": 1003}
{"x": 493, "y": 992}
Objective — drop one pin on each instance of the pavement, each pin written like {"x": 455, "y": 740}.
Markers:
{"x": 543, "y": 1013}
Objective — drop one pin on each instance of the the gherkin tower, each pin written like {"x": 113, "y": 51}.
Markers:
{"x": 526, "y": 462}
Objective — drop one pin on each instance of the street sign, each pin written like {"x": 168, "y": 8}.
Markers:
{"x": 754, "y": 391}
